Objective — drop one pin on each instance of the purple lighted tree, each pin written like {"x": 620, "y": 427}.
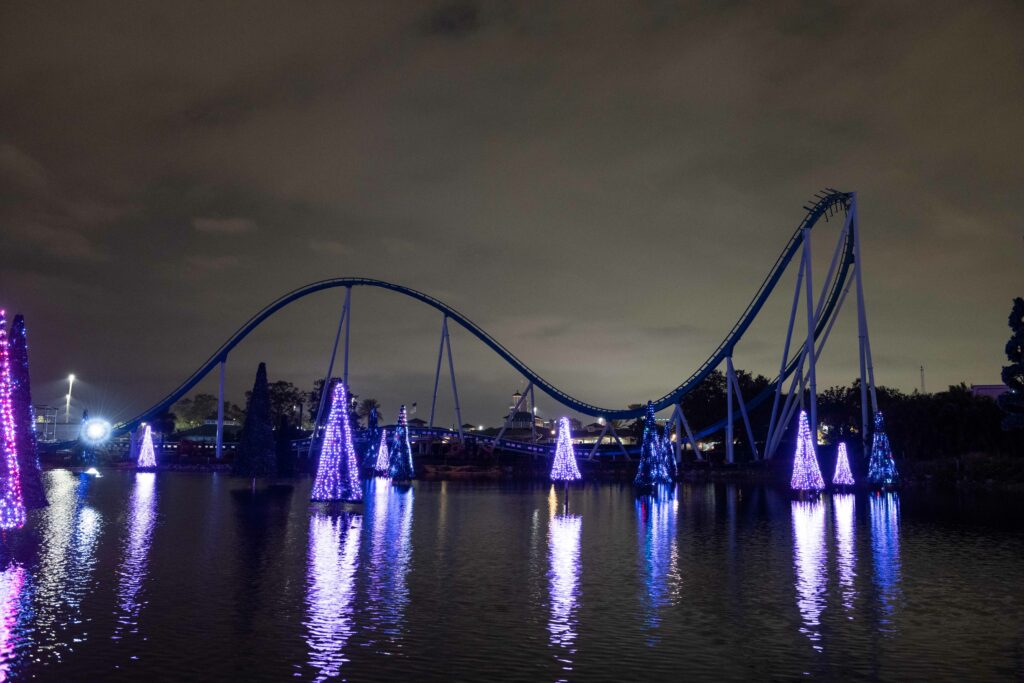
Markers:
{"x": 147, "y": 454}
{"x": 648, "y": 473}
{"x": 32, "y": 490}
{"x": 843, "y": 476}
{"x": 12, "y": 505}
{"x": 380, "y": 468}
{"x": 564, "y": 468}
{"x": 806, "y": 473}
{"x": 337, "y": 477}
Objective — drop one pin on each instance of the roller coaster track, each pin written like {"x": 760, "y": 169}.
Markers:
{"x": 825, "y": 205}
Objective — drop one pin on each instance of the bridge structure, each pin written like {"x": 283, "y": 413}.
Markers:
{"x": 797, "y": 366}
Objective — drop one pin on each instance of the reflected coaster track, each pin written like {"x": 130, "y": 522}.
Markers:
{"x": 825, "y": 205}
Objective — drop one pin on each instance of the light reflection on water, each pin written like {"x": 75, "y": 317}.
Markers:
{"x": 389, "y": 515}
{"x": 659, "y": 558}
{"x": 476, "y": 581}
{"x": 885, "y": 548}
{"x": 332, "y": 565}
{"x": 843, "y": 507}
{"x": 70, "y": 530}
{"x": 809, "y": 561}
{"x": 132, "y": 572}
{"x": 563, "y": 582}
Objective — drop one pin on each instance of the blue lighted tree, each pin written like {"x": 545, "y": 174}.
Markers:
{"x": 881, "y": 467}
{"x": 647, "y": 473}
{"x": 401, "y": 468}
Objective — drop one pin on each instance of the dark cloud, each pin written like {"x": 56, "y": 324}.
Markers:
{"x": 601, "y": 185}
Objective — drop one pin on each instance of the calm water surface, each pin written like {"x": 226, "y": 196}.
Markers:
{"x": 174, "y": 576}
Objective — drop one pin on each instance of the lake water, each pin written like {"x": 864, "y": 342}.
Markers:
{"x": 175, "y": 576}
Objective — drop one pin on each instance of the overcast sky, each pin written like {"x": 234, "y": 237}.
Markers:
{"x": 602, "y": 186}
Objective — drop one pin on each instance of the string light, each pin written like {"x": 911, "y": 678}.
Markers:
{"x": 806, "y": 473}
{"x": 652, "y": 469}
{"x": 564, "y": 467}
{"x": 882, "y": 466}
{"x": 32, "y": 490}
{"x": 337, "y": 476}
{"x": 147, "y": 454}
{"x": 843, "y": 476}
{"x": 12, "y": 506}
{"x": 400, "y": 463}
{"x": 383, "y": 457}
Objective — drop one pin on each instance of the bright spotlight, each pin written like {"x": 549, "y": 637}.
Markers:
{"x": 96, "y": 431}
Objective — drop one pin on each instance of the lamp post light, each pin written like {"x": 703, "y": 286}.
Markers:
{"x": 67, "y": 404}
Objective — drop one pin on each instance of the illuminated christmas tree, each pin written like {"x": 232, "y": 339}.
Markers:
{"x": 881, "y": 467}
{"x": 337, "y": 477}
{"x": 806, "y": 473}
{"x": 400, "y": 466}
{"x": 843, "y": 476}
{"x": 147, "y": 454}
{"x": 668, "y": 454}
{"x": 564, "y": 468}
{"x": 32, "y": 490}
{"x": 648, "y": 472}
{"x": 12, "y": 505}
{"x": 380, "y": 468}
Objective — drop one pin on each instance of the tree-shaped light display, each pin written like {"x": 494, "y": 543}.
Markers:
{"x": 32, "y": 490}
{"x": 147, "y": 454}
{"x": 380, "y": 468}
{"x": 668, "y": 454}
{"x": 843, "y": 476}
{"x": 564, "y": 467}
{"x": 881, "y": 467}
{"x": 400, "y": 465}
{"x": 647, "y": 474}
{"x": 806, "y": 473}
{"x": 337, "y": 477}
{"x": 12, "y": 506}
{"x": 257, "y": 456}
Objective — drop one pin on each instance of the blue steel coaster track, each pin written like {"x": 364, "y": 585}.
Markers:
{"x": 826, "y": 204}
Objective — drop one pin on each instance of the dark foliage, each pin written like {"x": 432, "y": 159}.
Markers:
{"x": 1012, "y": 402}
{"x": 257, "y": 455}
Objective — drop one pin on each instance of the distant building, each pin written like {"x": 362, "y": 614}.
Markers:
{"x": 46, "y": 423}
{"x": 992, "y": 391}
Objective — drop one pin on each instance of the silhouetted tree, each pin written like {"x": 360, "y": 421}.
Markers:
{"x": 1012, "y": 402}
{"x": 256, "y": 452}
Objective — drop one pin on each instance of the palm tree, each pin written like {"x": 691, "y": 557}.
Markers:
{"x": 367, "y": 406}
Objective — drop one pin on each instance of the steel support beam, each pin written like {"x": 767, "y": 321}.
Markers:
{"x": 220, "y": 409}
{"x": 327, "y": 377}
{"x": 811, "y": 321}
{"x": 743, "y": 408}
{"x": 451, "y": 371}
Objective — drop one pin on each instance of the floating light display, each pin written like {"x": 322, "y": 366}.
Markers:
{"x": 383, "y": 457}
{"x": 337, "y": 476}
{"x": 564, "y": 467}
{"x": 882, "y": 466}
{"x": 843, "y": 476}
{"x": 32, "y": 490}
{"x": 12, "y": 506}
{"x": 648, "y": 472}
{"x": 147, "y": 454}
{"x": 806, "y": 473}
{"x": 400, "y": 462}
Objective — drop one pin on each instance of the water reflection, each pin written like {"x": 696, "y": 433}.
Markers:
{"x": 564, "y": 584}
{"x": 70, "y": 530}
{"x": 846, "y": 560}
{"x": 11, "y": 581}
{"x": 659, "y": 561}
{"x": 390, "y": 516}
{"x": 885, "y": 547}
{"x": 132, "y": 573}
{"x": 332, "y": 560}
{"x": 809, "y": 561}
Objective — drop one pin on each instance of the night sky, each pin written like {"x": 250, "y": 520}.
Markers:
{"x": 602, "y": 186}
